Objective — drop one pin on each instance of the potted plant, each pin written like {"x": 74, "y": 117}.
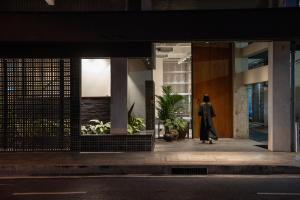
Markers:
{"x": 182, "y": 126}
{"x": 167, "y": 109}
{"x": 171, "y": 133}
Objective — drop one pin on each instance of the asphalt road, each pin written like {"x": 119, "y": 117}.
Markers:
{"x": 150, "y": 187}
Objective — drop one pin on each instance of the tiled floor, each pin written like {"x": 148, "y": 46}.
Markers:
{"x": 222, "y": 145}
{"x": 259, "y": 134}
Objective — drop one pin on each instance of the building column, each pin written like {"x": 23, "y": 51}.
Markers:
{"x": 240, "y": 95}
{"x": 75, "y": 78}
{"x": 118, "y": 107}
{"x": 279, "y": 98}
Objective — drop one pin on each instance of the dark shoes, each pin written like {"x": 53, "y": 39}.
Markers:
{"x": 210, "y": 141}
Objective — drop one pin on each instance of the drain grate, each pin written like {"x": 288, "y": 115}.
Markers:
{"x": 189, "y": 171}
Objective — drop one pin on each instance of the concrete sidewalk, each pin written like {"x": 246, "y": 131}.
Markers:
{"x": 31, "y": 164}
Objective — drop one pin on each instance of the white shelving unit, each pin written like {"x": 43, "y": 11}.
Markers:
{"x": 178, "y": 76}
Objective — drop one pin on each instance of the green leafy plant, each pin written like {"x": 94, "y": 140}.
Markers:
{"x": 135, "y": 124}
{"x": 96, "y": 127}
{"x": 41, "y": 127}
{"x": 168, "y": 125}
{"x": 168, "y": 104}
{"x": 178, "y": 124}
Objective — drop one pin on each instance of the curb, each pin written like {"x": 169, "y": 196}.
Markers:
{"x": 74, "y": 170}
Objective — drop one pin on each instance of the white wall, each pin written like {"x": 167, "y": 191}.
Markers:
{"x": 95, "y": 77}
{"x": 158, "y": 78}
{"x": 257, "y": 75}
{"x": 137, "y": 75}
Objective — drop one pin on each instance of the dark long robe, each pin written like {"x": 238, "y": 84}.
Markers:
{"x": 207, "y": 129}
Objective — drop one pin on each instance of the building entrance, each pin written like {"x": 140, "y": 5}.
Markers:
{"x": 235, "y": 77}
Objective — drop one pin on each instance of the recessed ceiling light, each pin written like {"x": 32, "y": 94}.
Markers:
{"x": 164, "y": 49}
{"x": 50, "y": 2}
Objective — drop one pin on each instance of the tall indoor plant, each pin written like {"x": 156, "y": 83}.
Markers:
{"x": 168, "y": 104}
{"x": 168, "y": 108}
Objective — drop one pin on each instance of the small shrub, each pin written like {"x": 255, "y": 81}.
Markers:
{"x": 135, "y": 125}
{"x": 96, "y": 127}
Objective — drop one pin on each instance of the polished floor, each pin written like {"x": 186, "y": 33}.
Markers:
{"x": 221, "y": 145}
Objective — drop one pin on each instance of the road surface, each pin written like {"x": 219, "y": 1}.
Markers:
{"x": 151, "y": 187}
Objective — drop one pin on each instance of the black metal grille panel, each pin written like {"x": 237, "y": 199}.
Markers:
{"x": 189, "y": 171}
{"x": 35, "y": 104}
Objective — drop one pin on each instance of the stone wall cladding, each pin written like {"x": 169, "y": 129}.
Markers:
{"x": 95, "y": 108}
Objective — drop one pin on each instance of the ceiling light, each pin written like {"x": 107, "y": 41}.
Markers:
{"x": 164, "y": 49}
{"x": 50, "y": 2}
{"x": 185, "y": 58}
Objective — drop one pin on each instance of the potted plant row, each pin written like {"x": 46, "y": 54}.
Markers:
{"x": 97, "y": 127}
{"x": 95, "y": 136}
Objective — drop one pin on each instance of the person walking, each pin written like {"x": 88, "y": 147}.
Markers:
{"x": 207, "y": 113}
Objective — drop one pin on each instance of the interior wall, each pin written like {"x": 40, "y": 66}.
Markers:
{"x": 95, "y": 90}
{"x": 158, "y": 78}
{"x": 212, "y": 74}
{"x": 257, "y": 75}
{"x": 137, "y": 75}
{"x": 95, "y": 77}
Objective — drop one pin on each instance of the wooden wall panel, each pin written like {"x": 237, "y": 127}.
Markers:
{"x": 212, "y": 75}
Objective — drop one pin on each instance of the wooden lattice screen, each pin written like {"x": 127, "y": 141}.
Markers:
{"x": 35, "y": 97}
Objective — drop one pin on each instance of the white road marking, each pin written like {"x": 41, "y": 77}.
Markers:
{"x": 278, "y": 193}
{"x": 46, "y": 193}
